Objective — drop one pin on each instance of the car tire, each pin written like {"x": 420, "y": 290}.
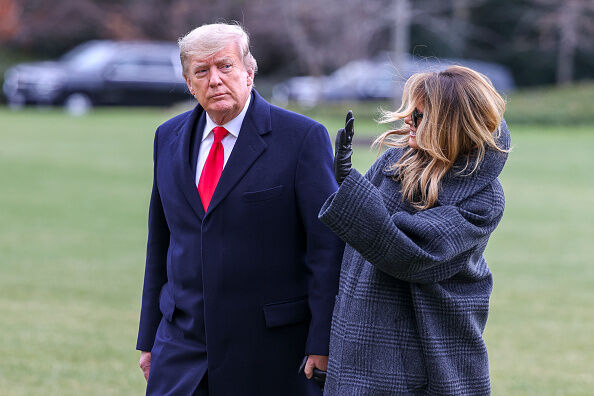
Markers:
{"x": 16, "y": 101}
{"x": 78, "y": 104}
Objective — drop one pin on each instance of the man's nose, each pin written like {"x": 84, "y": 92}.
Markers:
{"x": 214, "y": 77}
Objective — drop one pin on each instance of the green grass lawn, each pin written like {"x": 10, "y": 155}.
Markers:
{"x": 569, "y": 105}
{"x": 73, "y": 213}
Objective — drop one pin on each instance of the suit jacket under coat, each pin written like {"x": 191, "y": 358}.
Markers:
{"x": 414, "y": 285}
{"x": 253, "y": 280}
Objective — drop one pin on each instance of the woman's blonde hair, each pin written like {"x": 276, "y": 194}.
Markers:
{"x": 462, "y": 113}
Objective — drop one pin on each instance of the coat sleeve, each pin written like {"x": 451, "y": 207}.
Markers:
{"x": 155, "y": 274}
{"x": 415, "y": 247}
{"x": 314, "y": 182}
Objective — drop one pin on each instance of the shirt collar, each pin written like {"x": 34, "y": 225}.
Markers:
{"x": 233, "y": 126}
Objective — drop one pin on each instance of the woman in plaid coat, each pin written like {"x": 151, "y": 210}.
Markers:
{"x": 414, "y": 285}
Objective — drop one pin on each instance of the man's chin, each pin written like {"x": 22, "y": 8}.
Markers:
{"x": 219, "y": 109}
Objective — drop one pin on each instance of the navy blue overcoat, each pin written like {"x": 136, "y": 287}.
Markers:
{"x": 246, "y": 289}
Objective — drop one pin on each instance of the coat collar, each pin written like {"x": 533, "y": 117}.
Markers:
{"x": 458, "y": 184}
{"x": 182, "y": 164}
{"x": 249, "y": 146}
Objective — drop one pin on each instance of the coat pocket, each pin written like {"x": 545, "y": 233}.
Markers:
{"x": 264, "y": 195}
{"x": 286, "y": 312}
{"x": 166, "y": 303}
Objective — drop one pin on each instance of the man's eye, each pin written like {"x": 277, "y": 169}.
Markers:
{"x": 227, "y": 66}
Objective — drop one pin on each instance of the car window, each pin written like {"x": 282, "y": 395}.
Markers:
{"x": 143, "y": 68}
{"x": 87, "y": 57}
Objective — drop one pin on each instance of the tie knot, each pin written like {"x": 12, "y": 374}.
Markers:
{"x": 219, "y": 133}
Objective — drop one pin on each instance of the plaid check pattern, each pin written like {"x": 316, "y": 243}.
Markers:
{"x": 414, "y": 285}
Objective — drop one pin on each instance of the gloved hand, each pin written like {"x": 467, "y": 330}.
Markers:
{"x": 343, "y": 150}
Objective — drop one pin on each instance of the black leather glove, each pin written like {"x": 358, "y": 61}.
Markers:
{"x": 343, "y": 150}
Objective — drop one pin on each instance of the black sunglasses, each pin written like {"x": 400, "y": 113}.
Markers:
{"x": 416, "y": 114}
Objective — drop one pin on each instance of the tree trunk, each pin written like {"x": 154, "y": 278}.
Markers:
{"x": 460, "y": 20}
{"x": 568, "y": 15}
{"x": 401, "y": 39}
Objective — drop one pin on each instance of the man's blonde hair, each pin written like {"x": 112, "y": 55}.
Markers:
{"x": 462, "y": 113}
{"x": 207, "y": 40}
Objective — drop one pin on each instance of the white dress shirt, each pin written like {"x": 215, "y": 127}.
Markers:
{"x": 233, "y": 126}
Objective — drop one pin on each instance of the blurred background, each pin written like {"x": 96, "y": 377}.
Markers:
{"x": 86, "y": 82}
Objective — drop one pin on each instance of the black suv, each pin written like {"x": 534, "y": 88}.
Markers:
{"x": 101, "y": 73}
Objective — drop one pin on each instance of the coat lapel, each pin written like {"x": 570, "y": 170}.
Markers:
{"x": 182, "y": 164}
{"x": 249, "y": 146}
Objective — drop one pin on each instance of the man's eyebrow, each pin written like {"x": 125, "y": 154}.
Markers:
{"x": 226, "y": 59}
{"x": 199, "y": 65}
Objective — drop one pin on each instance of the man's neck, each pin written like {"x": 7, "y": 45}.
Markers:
{"x": 223, "y": 118}
{"x": 233, "y": 125}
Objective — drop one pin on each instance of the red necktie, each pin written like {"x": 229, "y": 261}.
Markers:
{"x": 213, "y": 167}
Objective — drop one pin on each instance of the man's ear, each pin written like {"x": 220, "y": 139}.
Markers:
{"x": 189, "y": 85}
{"x": 250, "y": 78}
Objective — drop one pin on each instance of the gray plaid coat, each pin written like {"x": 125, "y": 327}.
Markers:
{"x": 414, "y": 286}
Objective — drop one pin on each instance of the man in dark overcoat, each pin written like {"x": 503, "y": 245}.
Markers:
{"x": 240, "y": 275}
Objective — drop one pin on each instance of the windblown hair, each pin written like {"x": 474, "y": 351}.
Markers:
{"x": 207, "y": 40}
{"x": 462, "y": 113}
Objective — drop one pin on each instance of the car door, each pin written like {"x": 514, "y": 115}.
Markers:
{"x": 148, "y": 78}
